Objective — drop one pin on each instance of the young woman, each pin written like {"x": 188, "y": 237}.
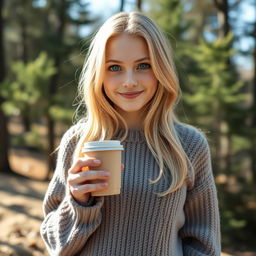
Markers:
{"x": 168, "y": 204}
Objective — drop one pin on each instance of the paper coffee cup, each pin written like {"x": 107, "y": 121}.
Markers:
{"x": 109, "y": 152}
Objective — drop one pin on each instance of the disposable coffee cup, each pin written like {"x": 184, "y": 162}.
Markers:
{"x": 109, "y": 152}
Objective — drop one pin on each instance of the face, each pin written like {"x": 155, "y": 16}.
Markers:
{"x": 129, "y": 81}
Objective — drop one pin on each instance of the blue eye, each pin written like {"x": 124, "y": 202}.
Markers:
{"x": 144, "y": 66}
{"x": 114, "y": 68}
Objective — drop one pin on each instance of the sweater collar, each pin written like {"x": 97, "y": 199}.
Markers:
{"x": 133, "y": 135}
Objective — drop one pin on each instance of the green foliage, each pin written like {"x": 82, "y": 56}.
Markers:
{"x": 29, "y": 92}
{"x": 32, "y": 140}
{"x": 169, "y": 16}
{"x": 240, "y": 143}
{"x": 215, "y": 88}
{"x": 237, "y": 217}
{"x": 58, "y": 113}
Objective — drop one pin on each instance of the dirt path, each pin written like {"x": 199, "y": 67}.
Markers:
{"x": 20, "y": 216}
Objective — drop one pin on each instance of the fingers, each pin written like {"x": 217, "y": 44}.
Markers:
{"x": 82, "y": 183}
{"x": 79, "y": 191}
{"x": 82, "y": 177}
{"x": 80, "y": 163}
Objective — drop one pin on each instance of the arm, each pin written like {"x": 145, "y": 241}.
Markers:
{"x": 201, "y": 232}
{"x": 67, "y": 224}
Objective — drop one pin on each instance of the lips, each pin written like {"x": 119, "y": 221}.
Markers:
{"x": 130, "y": 95}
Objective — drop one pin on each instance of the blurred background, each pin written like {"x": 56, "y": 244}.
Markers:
{"x": 43, "y": 44}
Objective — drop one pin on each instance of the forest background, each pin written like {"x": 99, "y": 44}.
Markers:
{"x": 43, "y": 44}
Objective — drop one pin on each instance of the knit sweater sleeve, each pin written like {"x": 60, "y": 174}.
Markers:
{"x": 201, "y": 231}
{"x": 67, "y": 225}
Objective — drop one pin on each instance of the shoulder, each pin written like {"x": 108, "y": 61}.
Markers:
{"x": 196, "y": 147}
{"x": 72, "y": 136}
{"x": 193, "y": 140}
{"x": 189, "y": 135}
{"x": 74, "y": 131}
{"x": 68, "y": 144}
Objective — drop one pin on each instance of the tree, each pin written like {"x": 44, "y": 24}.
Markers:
{"x": 172, "y": 26}
{"x": 216, "y": 97}
{"x": 19, "y": 16}
{"x": 169, "y": 15}
{"x": 59, "y": 40}
{"x": 53, "y": 27}
{"x": 139, "y": 5}
{"x": 253, "y": 123}
{"x": 121, "y": 9}
{"x": 4, "y": 135}
{"x": 223, "y": 16}
{"x": 29, "y": 88}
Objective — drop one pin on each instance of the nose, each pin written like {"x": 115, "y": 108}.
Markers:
{"x": 130, "y": 80}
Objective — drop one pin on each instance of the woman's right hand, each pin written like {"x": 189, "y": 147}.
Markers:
{"x": 81, "y": 182}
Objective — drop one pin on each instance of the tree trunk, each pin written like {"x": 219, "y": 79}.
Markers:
{"x": 222, "y": 7}
{"x": 26, "y": 122}
{"x": 51, "y": 137}
{"x": 24, "y": 40}
{"x": 50, "y": 121}
{"x": 121, "y": 5}
{"x": 61, "y": 11}
{"x": 217, "y": 137}
{"x": 22, "y": 23}
{"x": 2, "y": 56}
{"x": 4, "y": 145}
{"x": 253, "y": 149}
{"x": 223, "y": 17}
{"x": 139, "y": 5}
{"x": 25, "y": 116}
{"x": 4, "y": 135}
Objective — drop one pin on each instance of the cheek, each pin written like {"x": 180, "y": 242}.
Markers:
{"x": 151, "y": 82}
{"x": 153, "y": 85}
{"x": 109, "y": 88}
{"x": 148, "y": 78}
{"x": 111, "y": 82}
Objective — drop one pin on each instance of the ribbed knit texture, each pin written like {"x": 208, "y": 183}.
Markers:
{"x": 137, "y": 222}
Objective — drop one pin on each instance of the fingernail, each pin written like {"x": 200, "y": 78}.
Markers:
{"x": 96, "y": 161}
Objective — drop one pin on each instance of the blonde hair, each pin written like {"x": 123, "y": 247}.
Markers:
{"x": 104, "y": 122}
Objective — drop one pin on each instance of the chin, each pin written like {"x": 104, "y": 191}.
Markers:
{"x": 131, "y": 110}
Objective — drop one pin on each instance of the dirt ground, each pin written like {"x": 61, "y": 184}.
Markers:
{"x": 21, "y": 206}
{"x": 20, "y": 216}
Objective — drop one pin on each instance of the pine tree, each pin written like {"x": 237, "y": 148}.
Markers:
{"x": 215, "y": 95}
{"x": 169, "y": 16}
{"x": 4, "y": 135}
{"x": 53, "y": 27}
{"x": 59, "y": 38}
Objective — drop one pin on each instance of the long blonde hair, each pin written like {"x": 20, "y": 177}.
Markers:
{"x": 103, "y": 121}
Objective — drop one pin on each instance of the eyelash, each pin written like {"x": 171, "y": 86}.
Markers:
{"x": 148, "y": 66}
{"x": 141, "y": 66}
{"x": 110, "y": 68}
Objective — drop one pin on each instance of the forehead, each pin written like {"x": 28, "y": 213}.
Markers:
{"x": 125, "y": 45}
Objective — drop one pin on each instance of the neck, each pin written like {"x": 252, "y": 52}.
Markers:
{"x": 134, "y": 120}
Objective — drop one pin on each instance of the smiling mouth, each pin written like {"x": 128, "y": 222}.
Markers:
{"x": 130, "y": 95}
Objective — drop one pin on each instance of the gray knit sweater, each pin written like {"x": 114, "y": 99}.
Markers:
{"x": 137, "y": 222}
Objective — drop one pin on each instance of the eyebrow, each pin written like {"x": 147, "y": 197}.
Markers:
{"x": 118, "y": 61}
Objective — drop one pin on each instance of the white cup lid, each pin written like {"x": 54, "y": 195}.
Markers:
{"x": 104, "y": 145}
